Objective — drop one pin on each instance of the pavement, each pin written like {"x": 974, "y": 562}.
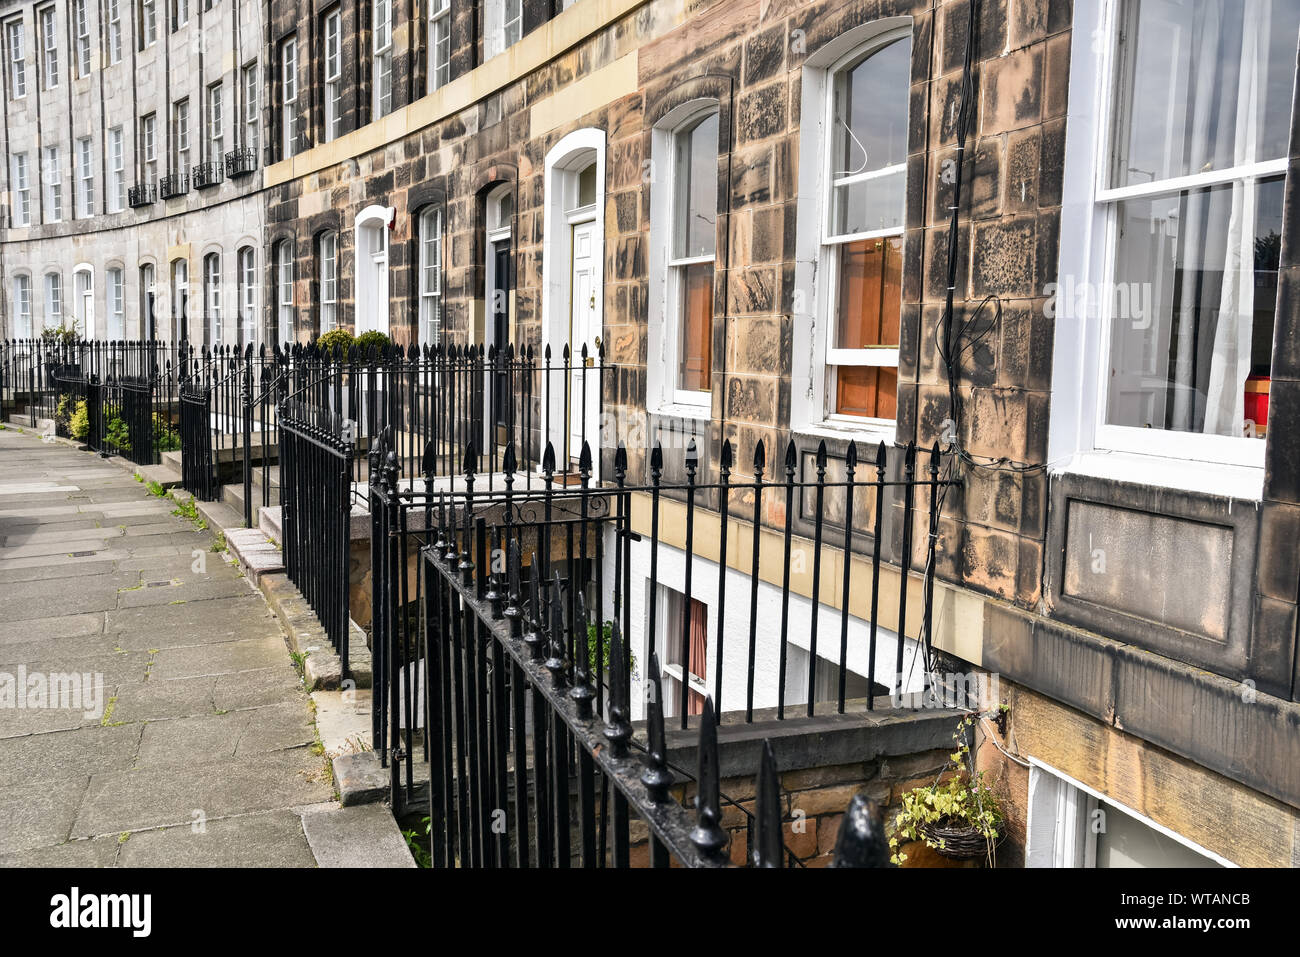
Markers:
{"x": 150, "y": 714}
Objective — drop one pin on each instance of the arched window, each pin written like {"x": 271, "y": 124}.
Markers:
{"x": 284, "y": 291}
{"x": 327, "y": 253}
{"x": 115, "y": 294}
{"x": 83, "y": 303}
{"x": 22, "y": 290}
{"x": 431, "y": 276}
{"x": 862, "y": 244}
{"x": 180, "y": 298}
{"x": 212, "y": 296}
{"x": 53, "y": 300}
{"x": 246, "y": 268}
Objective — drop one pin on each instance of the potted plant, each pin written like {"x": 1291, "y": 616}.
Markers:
{"x": 958, "y": 816}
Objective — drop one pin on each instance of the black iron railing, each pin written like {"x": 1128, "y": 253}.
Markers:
{"x": 240, "y": 162}
{"x": 209, "y": 174}
{"x": 198, "y": 465}
{"x": 142, "y": 194}
{"x": 178, "y": 184}
{"x": 133, "y": 398}
{"x": 526, "y": 595}
{"x": 316, "y": 505}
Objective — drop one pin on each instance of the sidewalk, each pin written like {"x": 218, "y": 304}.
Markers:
{"x": 163, "y": 722}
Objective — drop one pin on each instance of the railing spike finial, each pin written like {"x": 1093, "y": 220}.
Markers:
{"x": 727, "y": 454}
{"x": 509, "y": 464}
{"x": 692, "y": 456}
{"x": 584, "y": 460}
{"x": 620, "y": 459}
{"x": 657, "y": 458}
{"x": 791, "y": 457}
{"x": 618, "y": 730}
{"x": 760, "y": 457}
{"x": 582, "y": 693}
{"x": 471, "y": 460}
{"x": 768, "y": 849}
{"x": 429, "y": 463}
{"x": 934, "y": 461}
{"x": 881, "y": 457}
{"x": 821, "y": 456}
{"x": 555, "y": 638}
{"x": 656, "y": 777}
{"x": 548, "y": 460}
{"x": 533, "y": 637}
{"x": 861, "y": 841}
{"x": 708, "y": 835}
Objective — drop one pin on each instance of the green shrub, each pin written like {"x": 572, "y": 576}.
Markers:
{"x": 118, "y": 435}
{"x": 165, "y": 438}
{"x": 373, "y": 338}
{"x": 79, "y": 422}
{"x": 336, "y": 340}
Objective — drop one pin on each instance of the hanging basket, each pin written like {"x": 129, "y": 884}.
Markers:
{"x": 960, "y": 843}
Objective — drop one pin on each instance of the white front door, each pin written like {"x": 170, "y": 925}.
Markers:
{"x": 584, "y": 392}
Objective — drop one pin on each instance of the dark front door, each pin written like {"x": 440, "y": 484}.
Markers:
{"x": 501, "y": 327}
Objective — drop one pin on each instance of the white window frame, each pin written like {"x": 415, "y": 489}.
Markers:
{"x": 81, "y": 33}
{"x": 85, "y": 177}
{"x": 116, "y": 170}
{"x": 333, "y": 66}
{"x": 53, "y": 316}
{"x": 252, "y": 115}
{"x": 149, "y": 146}
{"x": 288, "y": 96}
{"x": 83, "y": 301}
{"x": 180, "y": 288}
{"x": 246, "y": 268}
{"x": 50, "y": 45}
{"x": 816, "y": 245}
{"x": 439, "y": 43}
{"x": 180, "y": 14}
{"x": 216, "y": 120}
{"x": 16, "y": 36}
{"x": 181, "y": 136}
{"x": 22, "y": 293}
{"x": 663, "y": 394}
{"x": 381, "y": 61}
{"x": 502, "y": 26}
{"x": 283, "y": 292}
{"x": 52, "y": 171}
{"x": 22, "y": 203}
{"x": 430, "y": 277}
{"x": 212, "y": 294}
{"x": 1060, "y": 812}
{"x": 1079, "y": 437}
{"x": 148, "y": 23}
{"x": 328, "y": 252}
{"x": 115, "y": 294}
{"x": 114, "y": 31}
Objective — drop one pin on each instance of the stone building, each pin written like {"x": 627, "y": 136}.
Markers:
{"x": 746, "y": 205}
{"x": 132, "y": 134}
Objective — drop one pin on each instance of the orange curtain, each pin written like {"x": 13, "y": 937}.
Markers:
{"x": 699, "y": 660}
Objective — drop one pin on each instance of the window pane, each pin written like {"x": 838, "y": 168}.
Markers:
{"x": 870, "y": 293}
{"x": 1192, "y": 309}
{"x": 871, "y": 110}
{"x": 870, "y": 391}
{"x": 696, "y": 208}
{"x": 1203, "y": 85}
{"x": 696, "y": 345}
{"x": 871, "y": 204}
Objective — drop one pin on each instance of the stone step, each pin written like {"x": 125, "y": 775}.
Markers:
{"x": 363, "y": 835}
{"x": 164, "y": 474}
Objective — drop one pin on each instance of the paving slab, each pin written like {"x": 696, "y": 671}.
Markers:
{"x": 202, "y": 747}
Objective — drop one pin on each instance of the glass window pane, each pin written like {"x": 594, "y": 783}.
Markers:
{"x": 869, "y": 205}
{"x": 696, "y": 335}
{"x": 870, "y": 293}
{"x": 870, "y": 391}
{"x": 871, "y": 110}
{"x": 1192, "y": 309}
{"x": 587, "y": 186}
{"x": 696, "y": 185}
{"x": 1202, "y": 85}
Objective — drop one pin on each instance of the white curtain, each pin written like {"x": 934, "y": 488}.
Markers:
{"x": 1225, "y": 401}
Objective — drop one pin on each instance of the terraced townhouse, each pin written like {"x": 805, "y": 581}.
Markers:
{"x": 744, "y": 211}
